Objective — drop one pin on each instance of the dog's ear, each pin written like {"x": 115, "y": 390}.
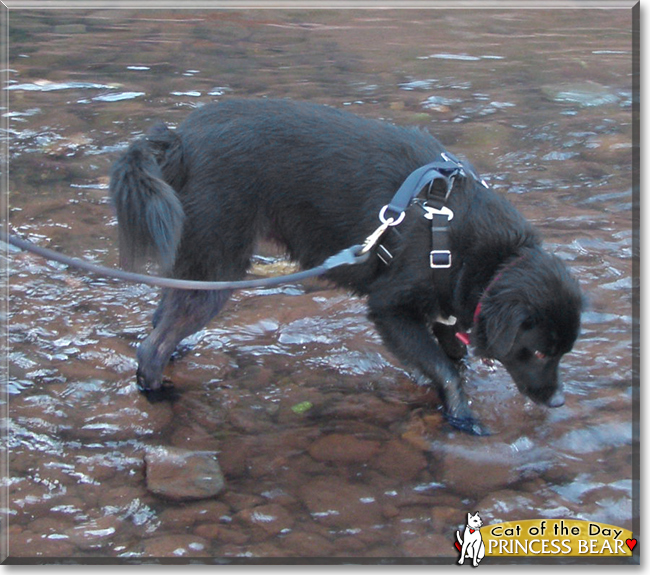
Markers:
{"x": 501, "y": 323}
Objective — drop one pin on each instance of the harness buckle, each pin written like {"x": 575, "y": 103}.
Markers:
{"x": 444, "y": 211}
{"x": 440, "y": 259}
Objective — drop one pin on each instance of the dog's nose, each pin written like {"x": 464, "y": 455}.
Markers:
{"x": 557, "y": 399}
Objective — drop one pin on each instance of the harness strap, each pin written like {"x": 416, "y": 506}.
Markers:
{"x": 439, "y": 178}
{"x": 438, "y": 175}
{"x": 440, "y": 255}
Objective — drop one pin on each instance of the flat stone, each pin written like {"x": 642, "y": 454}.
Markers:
{"x": 178, "y": 545}
{"x": 93, "y": 533}
{"x": 399, "y": 459}
{"x": 430, "y": 546}
{"x": 337, "y": 503}
{"x": 265, "y": 521}
{"x": 239, "y": 501}
{"x": 445, "y": 519}
{"x": 343, "y": 448}
{"x": 303, "y": 544}
{"x": 472, "y": 472}
{"x": 582, "y": 93}
{"x": 248, "y": 421}
{"x": 221, "y": 534}
{"x": 364, "y": 408}
{"x": 182, "y": 475}
{"x": 121, "y": 417}
{"x": 29, "y": 544}
{"x": 194, "y": 513}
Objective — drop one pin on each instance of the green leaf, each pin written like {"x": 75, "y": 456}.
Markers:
{"x": 302, "y": 407}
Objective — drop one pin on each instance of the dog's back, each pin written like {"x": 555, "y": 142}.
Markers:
{"x": 311, "y": 177}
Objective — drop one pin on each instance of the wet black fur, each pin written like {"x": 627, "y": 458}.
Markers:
{"x": 314, "y": 179}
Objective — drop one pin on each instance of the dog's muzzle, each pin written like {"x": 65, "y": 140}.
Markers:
{"x": 557, "y": 399}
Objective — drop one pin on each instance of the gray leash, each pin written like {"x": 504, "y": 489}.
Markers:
{"x": 349, "y": 256}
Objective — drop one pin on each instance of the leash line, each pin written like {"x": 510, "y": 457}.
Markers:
{"x": 348, "y": 256}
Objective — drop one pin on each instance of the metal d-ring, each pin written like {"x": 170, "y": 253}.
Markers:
{"x": 390, "y": 221}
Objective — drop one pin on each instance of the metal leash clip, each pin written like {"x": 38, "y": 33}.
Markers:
{"x": 374, "y": 237}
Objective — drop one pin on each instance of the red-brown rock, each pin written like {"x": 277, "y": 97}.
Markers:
{"x": 430, "y": 546}
{"x": 341, "y": 448}
{"x": 400, "y": 460}
{"x": 182, "y": 475}
{"x": 265, "y": 521}
{"x": 337, "y": 503}
{"x": 303, "y": 544}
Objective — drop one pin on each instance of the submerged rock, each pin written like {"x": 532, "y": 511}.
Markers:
{"x": 179, "y": 545}
{"x": 182, "y": 475}
{"x": 93, "y": 533}
{"x": 265, "y": 521}
{"x": 343, "y": 448}
{"x": 582, "y": 93}
{"x": 334, "y": 502}
{"x": 400, "y": 459}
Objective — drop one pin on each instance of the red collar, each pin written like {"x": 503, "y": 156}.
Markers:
{"x": 463, "y": 336}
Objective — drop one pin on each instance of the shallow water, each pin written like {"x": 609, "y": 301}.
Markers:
{"x": 328, "y": 446}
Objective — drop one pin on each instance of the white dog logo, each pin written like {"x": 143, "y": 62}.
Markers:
{"x": 471, "y": 545}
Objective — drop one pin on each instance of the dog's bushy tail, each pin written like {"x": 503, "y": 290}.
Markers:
{"x": 149, "y": 213}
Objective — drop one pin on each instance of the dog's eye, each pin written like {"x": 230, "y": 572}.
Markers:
{"x": 540, "y": 355}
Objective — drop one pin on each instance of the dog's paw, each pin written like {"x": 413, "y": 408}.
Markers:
{"x": 165, "y": 392}
{"x": 469, "y": 425}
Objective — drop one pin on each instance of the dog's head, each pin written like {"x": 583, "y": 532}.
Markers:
{"x": 529, "y": 318}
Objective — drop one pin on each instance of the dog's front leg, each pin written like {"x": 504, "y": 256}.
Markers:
{"x": 409, "y": 339}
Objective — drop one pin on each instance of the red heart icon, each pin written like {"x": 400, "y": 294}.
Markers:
{"x": 631, "y": 543}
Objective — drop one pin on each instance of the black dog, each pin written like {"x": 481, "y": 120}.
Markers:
{"x": 315, "y": 179}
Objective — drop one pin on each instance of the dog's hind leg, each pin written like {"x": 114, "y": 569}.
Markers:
{"x": 180, "y": 314}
